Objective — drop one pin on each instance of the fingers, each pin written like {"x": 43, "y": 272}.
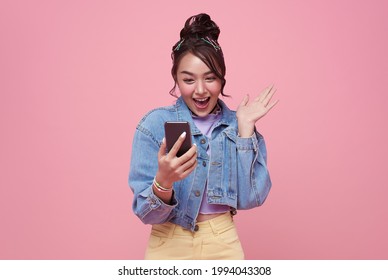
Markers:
{"x": 189, "y": 158}
{"x": 190, "y": 164}
{"x": 189, "y": 154}
{"x": 268, "y": 97}
{"x": 263, "y": 95}
{"x": 272, "y": 105}
{"x": 173, "y": 168}
{"x": 162, "y": 149}
{"x": 244, "y": 101}
{"x": 189, "y": 169}
{"x": 179, "y": 168}
{"x": 174, "y": 150}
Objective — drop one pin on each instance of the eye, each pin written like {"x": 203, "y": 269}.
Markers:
{"x": 188, "y": 81}
{"x": 211, "y": 79}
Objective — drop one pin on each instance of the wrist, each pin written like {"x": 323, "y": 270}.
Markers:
{"x": 160, "y": 188}
{"x": 245, "y": 128}
{"x": 245, "y": 132}
{"x": 160, "y": 181}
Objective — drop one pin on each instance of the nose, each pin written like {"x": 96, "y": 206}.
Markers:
{"x": 200, "y": 89}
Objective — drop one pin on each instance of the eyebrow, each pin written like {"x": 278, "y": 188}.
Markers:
{"x": 192, "y": 74}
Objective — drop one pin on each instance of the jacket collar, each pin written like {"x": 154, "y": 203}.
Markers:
{"x": 184, "y": 114}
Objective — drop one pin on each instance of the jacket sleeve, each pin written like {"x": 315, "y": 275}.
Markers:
{"x": 253, "y": 178}
{"x": 143, "y": 167}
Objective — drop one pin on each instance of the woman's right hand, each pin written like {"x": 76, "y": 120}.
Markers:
{"x": 173, "y": 168}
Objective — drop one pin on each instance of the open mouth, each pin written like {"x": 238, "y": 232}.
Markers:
{"x": 201, "y": 102}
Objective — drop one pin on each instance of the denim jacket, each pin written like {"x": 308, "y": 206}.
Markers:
{"x": 236, "y": 172}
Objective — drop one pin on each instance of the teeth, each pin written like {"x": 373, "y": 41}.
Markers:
{"x": 201, "y": 100}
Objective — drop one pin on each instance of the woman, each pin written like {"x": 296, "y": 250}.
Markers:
{"x": 190, "y": 200}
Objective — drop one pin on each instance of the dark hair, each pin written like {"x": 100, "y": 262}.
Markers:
{"x": 199, "y": 36}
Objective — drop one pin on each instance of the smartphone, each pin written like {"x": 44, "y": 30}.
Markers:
{"x": 172, "y": 131}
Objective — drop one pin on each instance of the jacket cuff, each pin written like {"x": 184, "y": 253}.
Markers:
{"x": 156, "y": 202}
{"x": 250, "y": 143}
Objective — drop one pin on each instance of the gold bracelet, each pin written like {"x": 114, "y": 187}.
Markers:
{"x": 160, "y": 188}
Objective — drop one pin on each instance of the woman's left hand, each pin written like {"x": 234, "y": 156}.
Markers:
{"x": 249, "y": 114}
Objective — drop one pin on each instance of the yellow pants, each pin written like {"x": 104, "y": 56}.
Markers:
{"x": 216, "y": 239}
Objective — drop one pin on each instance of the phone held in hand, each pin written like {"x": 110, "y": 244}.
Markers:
{"x": 172, "y": 132}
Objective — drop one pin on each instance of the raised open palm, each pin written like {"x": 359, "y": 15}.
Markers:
{"x": 249, "y": 113}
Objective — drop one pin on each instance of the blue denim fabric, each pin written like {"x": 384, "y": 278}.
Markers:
{"x": 236, "y": 171}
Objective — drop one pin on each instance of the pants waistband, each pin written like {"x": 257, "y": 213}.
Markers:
{"x": 215, "y": 226}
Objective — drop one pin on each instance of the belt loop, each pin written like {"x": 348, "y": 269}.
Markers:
{"x": 213, "y": 227}
{"x": 172, "y": 230}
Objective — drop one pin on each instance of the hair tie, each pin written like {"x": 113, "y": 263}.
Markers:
{"x": 179, "y": 45}
{"x": 211, "y": 42}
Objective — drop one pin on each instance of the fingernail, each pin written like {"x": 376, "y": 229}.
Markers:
{"x": 163, "y": 140}
{"x": 183, "y": 134}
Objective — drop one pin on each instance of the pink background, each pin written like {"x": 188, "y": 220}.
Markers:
{"x": 76, "y": 77}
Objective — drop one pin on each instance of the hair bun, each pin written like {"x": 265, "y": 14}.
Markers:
{"x": 200, "y": 26}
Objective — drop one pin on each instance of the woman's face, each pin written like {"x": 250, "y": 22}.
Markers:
{"x": 198, "y": 85}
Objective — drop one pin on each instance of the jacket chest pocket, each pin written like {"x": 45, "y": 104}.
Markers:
{"x": 229, "y": 164}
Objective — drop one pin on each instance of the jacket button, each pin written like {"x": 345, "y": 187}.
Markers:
{"x": 204, "y": 163}
{"x": 203, "y": 141}
{"x": 196, "y": 228}
{"x": 197, "y": 193}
